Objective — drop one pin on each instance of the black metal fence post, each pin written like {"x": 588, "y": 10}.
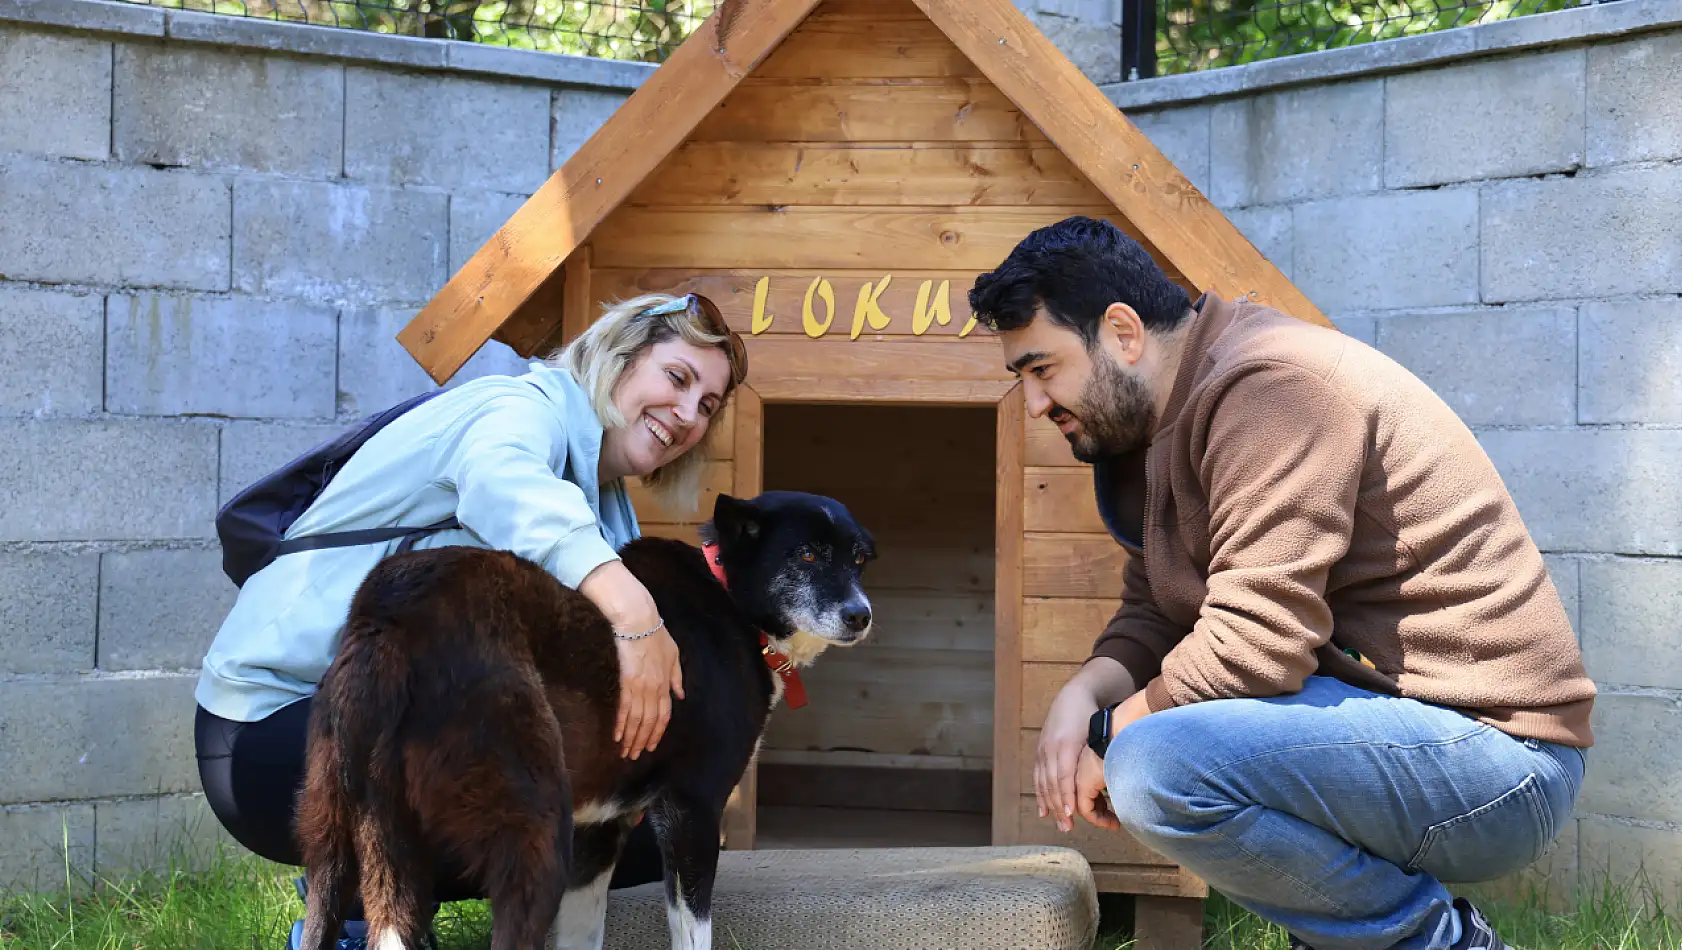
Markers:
{"x": 1138, "y": 39}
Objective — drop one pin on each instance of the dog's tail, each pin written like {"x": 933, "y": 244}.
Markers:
{"x": 358, "y": 834}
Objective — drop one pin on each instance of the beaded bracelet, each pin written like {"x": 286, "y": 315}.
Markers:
{"x": 641, "y": 636}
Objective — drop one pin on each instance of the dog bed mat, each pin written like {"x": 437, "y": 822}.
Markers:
{"x": 987, "y": 898}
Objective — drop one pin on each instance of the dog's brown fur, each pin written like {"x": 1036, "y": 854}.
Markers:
{"x": 467, "y": 721}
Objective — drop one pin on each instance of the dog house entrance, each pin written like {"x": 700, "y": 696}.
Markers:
{"x": 896, "y": 745}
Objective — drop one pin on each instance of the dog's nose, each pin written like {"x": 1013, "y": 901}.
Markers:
{"x": 856, "y": 617}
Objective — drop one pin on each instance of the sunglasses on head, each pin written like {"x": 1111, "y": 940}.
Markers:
{"x": 698, "y": 306}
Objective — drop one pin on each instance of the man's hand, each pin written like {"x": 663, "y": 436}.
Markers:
{"x": 1062, "y": 740}
{"x": 1090, "y": 799}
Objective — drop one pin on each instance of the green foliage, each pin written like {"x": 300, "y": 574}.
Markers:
{"x": 645, "y": 30}
{"x": 1207, "y": 34}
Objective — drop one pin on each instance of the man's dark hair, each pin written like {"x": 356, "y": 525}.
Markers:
{"x": 1076, "y": 268}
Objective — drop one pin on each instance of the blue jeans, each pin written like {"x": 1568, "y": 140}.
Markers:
{"x": 1337, "y": 813}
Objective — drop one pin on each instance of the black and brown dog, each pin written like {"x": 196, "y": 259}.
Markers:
{"x": 470, "y": 712}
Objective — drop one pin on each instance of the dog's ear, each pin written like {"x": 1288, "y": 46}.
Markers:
{"x": 735, "y": 518}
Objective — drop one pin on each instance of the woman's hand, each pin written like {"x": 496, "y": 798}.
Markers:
{"x": 1090, "y": 799}
{"x": 649, "y": 668}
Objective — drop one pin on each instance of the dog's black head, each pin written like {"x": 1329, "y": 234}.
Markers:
{"x": 794, "y": 563}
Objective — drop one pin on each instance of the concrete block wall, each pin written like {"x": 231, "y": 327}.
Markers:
{"x": 1509, "y": 227}
{"x": 211, "y": 228}
{"x": 209, "y": 233}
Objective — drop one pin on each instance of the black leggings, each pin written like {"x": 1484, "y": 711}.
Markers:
{"x": 252, "y": 773}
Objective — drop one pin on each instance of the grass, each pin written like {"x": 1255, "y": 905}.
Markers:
{"x": 230, "y": 901}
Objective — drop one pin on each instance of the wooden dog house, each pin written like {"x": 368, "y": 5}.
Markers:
{"x": 834, "y": 175}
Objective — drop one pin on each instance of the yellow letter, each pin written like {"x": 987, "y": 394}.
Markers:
{"x": 967, "y": 327}
{"x": 813, "y": 328}
{"x": 924, "y": 314}
{"x": 761, "y": 319}
{"x": 867, "y": 307}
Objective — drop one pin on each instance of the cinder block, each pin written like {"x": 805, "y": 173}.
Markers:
{"x": 101, "y": 224}
{"x": 48, "y": 603}
{"x": 1641, "y": 863}
{"x": 52, "y": 352}
{"x": 1564, "y": 571}
{"x": 1631, "y": 633}
{"x": 575, "y": 115}
{"x": 251, "y": 450}
{"x": 97, "y": 737}
{"x": 171, "y": 832}
{"x": 376, "y": 372}
{"x": 1599, "y": 235}
{"x": 1492, "y": 367}
{"x": 1269, "y": 229}
{"x": 1634, "y": 101}
{"x": 56, "y": 99}
{"x": 1594, "y": 490}
{"x": 177, "y": 354}
{"x": 130, "y": 479}
{"x": 339, "y": 243}
{"x": 158, "y": 610}
{"x": 1630, "y": 361}
{"x": 1364, "y": 329}
{"x": 34, "y": 840}
{"x": 1635, "y": 767}
{"x": 1497, "y": 118}
{"x": 474, "y": 218}
{"x": 459, "y": 148}
{"x": 1094, "y": 47}
{"x": 1183, "y": 136}
{"x": 1382, "y": 252}
{"x": 1298, "y": 144}
{"x": 208, "y": 107}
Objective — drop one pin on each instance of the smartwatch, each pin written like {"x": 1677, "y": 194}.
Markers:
{"x": 1098, "y": 730}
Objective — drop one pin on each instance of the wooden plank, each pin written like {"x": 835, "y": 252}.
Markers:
{"x": 718, "y": 476}
{"x": 504, "y": 275}
{"x": 1167, "y": 923}
{"x": 943, "y": 295}
{"x": 1174, "y": 216}
{"x": 1007, "y": 611}
{"x": 1061, "y": 499}
{"x": 885, "y": 110}
{"x": 878, "y": 40}
{"x": 1099, "y": 845}
{"x": 883, "y": 358}
{"x": 895, "y": 392}
{"x": 929, "y": 620}
{"x": 876, "y": 698}
{"x": 1062, "y": 630}
{"x": 815, "y": 238}
{"x": 1040, "y": 683}
{"x": 1047, "y": 447}
{"x": 922, "y": 173}
{"x": 1166, "y": 880}
{"x": 1072, "y": 565}
{"x": 853, "y": 786}
{"x": 741, "y": 813}
{"x": 879, "y": 760}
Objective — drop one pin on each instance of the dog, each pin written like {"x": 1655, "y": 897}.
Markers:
{"x": 470, "y": 711}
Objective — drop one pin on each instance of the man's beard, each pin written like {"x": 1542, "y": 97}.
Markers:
{"x": 1116, "y": 414}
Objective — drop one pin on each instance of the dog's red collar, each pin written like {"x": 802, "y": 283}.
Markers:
{"x": 794, "y": 691}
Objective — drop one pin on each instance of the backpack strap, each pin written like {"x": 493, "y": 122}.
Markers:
{"x": 339, "y": 539}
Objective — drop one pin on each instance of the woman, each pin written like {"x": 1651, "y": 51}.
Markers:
{"x": 534, "y": 464}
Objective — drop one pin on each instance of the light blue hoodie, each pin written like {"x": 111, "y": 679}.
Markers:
{"x": 513, "y": 458}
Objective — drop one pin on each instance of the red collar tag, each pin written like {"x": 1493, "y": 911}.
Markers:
{"x": 794, "y": 691}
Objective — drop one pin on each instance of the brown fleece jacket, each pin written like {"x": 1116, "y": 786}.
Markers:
{"x": 1307, "y": 495}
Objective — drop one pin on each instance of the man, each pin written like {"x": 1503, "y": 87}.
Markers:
{"x": 1339, "y": 675}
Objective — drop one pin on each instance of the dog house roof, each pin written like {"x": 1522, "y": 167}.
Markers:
{"x": 515, "y": 279}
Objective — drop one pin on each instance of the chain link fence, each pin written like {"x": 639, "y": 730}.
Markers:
{"x": 645, "y": 31}
{"x": 1192, "y": 35}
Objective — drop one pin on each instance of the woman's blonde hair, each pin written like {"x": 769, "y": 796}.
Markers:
{"x": 598, "y": 358}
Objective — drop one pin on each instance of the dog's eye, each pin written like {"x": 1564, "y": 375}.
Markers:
{"x": 808, "y": 555}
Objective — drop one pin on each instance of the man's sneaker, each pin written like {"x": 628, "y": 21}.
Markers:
{"x": 1476, "y": 933}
